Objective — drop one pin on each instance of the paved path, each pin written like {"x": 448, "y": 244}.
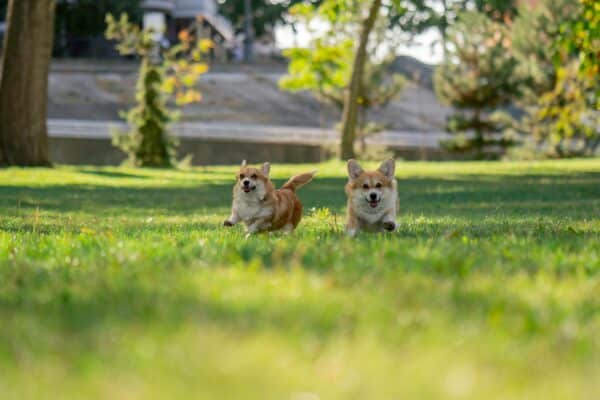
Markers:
{"x": 223, "y": 131}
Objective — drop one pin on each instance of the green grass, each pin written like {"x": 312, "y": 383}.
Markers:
{"x": 122, "y": 284}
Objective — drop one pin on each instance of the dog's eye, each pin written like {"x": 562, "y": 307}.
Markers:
{"x": 378, "y": 185}
{"x": 253, "y": 176}
{"x": 242, "y": 176}
{"x": 365, "y": 186}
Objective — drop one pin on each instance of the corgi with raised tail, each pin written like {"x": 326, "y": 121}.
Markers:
{"x": 260, "y": 206}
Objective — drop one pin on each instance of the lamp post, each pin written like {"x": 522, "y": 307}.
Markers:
{"x": 155, "y": 18}
{"x": 155, "y": 15}
{"x": 248, "y": 35}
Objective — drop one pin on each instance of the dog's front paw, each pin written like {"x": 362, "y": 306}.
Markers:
{"x": 227, "y": 223}
{"x": 389, "y": 226}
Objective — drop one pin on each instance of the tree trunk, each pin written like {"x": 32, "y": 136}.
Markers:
{"x": 444, "y": 29}
{"x": 351, "y": 100}
{"x": 248, "y": 32}
{"x": 362, "y": 123}
{"x": 477, "y": 141}
{"x": 24, "y": 82}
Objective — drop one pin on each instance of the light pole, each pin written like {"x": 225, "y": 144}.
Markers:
{"x": 248, "y": 35}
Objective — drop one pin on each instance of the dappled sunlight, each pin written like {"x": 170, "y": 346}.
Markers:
{"x": 487, "y": 274}
{"x": 428, "y": 190}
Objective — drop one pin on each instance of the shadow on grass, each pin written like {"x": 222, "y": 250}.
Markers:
{"x": 88, "y": 303}
{"x": 574, "y": 195}
{"x": 83, "y": 302}
{"x": 111, "y": 174}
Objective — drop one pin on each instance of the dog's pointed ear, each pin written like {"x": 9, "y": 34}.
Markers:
{"x": 243, "y": 164}
{"x": 266, "y": 168}
{"x": 388, "y": 168}
{"x": 354, "y": 169}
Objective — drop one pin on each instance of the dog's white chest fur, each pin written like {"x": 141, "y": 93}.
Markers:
{"x": 251, "y": 207}
{"x": 373, "y": 215}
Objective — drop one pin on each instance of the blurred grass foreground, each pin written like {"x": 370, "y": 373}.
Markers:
{"x": 121, "y": 284}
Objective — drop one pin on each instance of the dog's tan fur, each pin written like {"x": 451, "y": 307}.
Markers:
{"x": 376, "y": 213}
{"x": 260, "y": 206}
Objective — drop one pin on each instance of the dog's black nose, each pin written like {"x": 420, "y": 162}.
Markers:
{"x": 373, "y": 196}
{"x": 246, "y": 183}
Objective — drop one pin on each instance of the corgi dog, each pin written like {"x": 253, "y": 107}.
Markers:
{"x": 372, "y": 198}
{"x": 260, "y": 206}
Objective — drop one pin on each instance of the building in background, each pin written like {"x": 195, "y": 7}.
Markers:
{"x": 173, "y": 16}
{"x": 80, "y": 24}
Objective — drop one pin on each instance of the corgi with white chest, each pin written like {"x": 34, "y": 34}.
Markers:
{"x": 260, "y": 206}
{"x": 372, "y": 198}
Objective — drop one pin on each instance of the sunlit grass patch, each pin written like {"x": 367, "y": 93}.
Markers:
{"x": 121, "y": 283}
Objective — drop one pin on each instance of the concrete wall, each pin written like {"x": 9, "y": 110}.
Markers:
{"x": 205, "y": 152}
{"x": 211, "y": 152}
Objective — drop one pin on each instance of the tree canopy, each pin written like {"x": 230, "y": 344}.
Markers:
{"x": 86, "y": 17}
{"x": 347, "y": 62}
{"x": 477, "y": 78}
{"x": 265, "y": 13}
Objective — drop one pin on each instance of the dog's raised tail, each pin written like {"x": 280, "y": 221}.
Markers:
{"x": 298, "y": 181}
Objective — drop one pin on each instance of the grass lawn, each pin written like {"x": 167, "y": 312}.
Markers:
{"x": 122, "y": 284}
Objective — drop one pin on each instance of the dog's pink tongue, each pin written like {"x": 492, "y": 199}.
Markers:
{"x": 373, "y": 204}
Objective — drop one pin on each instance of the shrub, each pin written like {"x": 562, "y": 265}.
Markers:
{"x": 164, "y": 73}
{"x": 478, "y": 79}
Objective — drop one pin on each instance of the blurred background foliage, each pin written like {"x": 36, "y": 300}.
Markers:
{"x": 514, "y": 72}
{"x": 539, "y": 62}
{"x": 165, "y": 73}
